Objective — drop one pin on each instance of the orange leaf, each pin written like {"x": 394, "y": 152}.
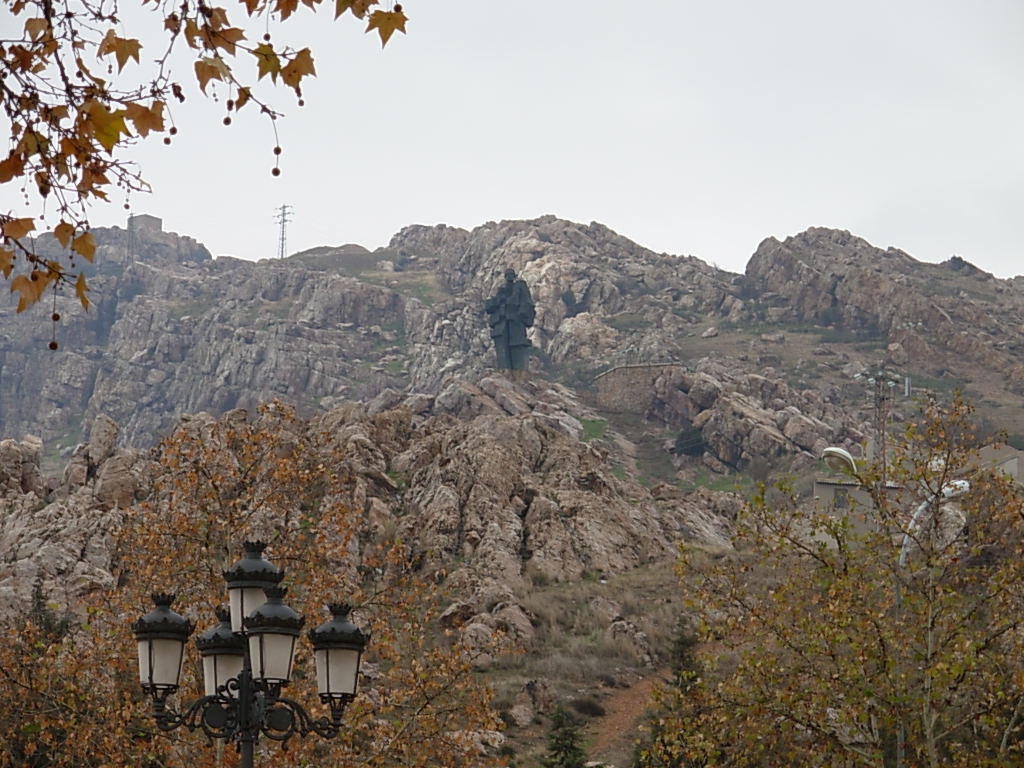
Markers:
{"x": 84, "y": 244}
{"x": 208, "y": 68}
{"x": 12, "y": 167}
{"x": 386, "y": 22}
{"x": 286, "y": 7}
{"x": 244, "y": 94}
{"x": 64, "y": 232}
{"x": 192, "y": 33}
{"x": 30, "y": 288}
{"x": 82, "y": 290}
{"x": 123, "y": 48}
{"x": 6, "y": 262}
{"x": 227, "y": 38}
{"x": 146, "y": 119}
{"x": 297, "y": 68}
{"x": 126, "y": 49}
{"x": 15, "y": 228}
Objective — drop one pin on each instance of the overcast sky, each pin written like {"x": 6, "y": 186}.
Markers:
{"x": 690, "y": 127}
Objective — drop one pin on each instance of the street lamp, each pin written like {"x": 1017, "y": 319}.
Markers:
{"x": 840, "y": 460}
{"x": 247, "y": 661}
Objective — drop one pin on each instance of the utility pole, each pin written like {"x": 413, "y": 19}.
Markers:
{"x": 282, "y": 217}
{"x": 883, "y": 387}
{"x": 129, "y": 247}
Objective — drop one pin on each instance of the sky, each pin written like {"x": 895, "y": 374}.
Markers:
{"x": 689, "y": 127}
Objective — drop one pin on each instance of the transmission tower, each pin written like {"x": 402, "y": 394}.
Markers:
{"x": 129, "y": 246}
{"x": 282, "y": 217}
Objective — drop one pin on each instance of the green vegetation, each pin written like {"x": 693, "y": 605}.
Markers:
{"x": 564, "y": 748}
{"x": 424, "y": 286}
{"x": 628, "y": 322}
{"x": 689, "y": 442}
{"x": 193, "y": 307}
{"x": 280, "y": 309}
{"x": 594, "y": 429}
{"x": 822, "y": 642}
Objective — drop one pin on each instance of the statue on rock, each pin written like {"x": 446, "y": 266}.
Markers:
{"x": 511, "y": 312}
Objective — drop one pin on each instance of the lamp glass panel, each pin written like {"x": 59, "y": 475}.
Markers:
{"x": 144, "y": 664}
{"x": 218, "y": 669}
{"x": 160, "y": 662}
{"x": 243, "y": 601}
{"x": 271, "y": 656}
{"x": 337, "y": 670}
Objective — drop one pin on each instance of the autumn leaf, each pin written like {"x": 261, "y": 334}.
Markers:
{"x": 244, "y": 94}
{"x": 286, "y": 7}
{"x": 82, "y": 290}
{"x": 297, "y": 68}
{"x": 209, "y": 68}
{"x": 126, "y": 49}
{"x": 122, "y": 48}
{"x": 36, "y": 28}
{"x": 228, "y": 38}
{"x": 267, "y": 61}
{"x": 84, "y": 245}
{"x": 107, "y": 126}
{"x": 6, "y": 262}
{"x": 30, "y": 288}
{"x": 146, "y": 119}
{"x": 217, "y": 19}
{"x": 359, "y": 7}
{"x": 64, "y": 232}
{"x": 17, "y": 228}
{"x": 12, "y": 167}
{"x": 192, "y": 33}
{"x": 386, "y": 22}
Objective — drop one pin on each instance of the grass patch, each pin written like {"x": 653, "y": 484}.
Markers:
{"x": 280, "y": 309}
{"x": 193, "y": 307}
{"x": 628, "y": 321}
{"x": 594, "y": 429}
{"x": 424, "y": 286}
{"x": 704, "y": 478}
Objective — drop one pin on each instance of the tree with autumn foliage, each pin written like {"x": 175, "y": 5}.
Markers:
{"x": 77, "y": 90}
{"x": 69, "y": 694}
{"x": 821, "y": 646}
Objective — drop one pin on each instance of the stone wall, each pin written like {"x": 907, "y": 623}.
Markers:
{"x": 629, "y": 388}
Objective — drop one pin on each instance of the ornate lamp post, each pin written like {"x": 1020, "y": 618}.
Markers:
{"x": 247, "y": 661}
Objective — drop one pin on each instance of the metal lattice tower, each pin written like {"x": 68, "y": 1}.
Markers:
{"x": 129, "y": 245}
{"x": 282, "y": 217}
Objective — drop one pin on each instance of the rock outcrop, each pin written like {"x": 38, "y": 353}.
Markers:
{"x": 490, "y": 475}
{"x": 950, "y": 315}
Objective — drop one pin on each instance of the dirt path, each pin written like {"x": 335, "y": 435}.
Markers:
{"x": 612, "y": 736}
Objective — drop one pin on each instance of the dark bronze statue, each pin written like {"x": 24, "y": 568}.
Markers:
{"x": 511, "y": 313}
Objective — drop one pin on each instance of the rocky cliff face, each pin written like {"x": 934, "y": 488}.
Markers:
{"x": 950, "y": 314}
{"x": 173, "y": 331}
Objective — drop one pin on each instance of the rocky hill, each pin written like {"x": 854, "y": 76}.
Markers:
{"x": 173, "y": 331}
{"x": 655, "y": 379}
